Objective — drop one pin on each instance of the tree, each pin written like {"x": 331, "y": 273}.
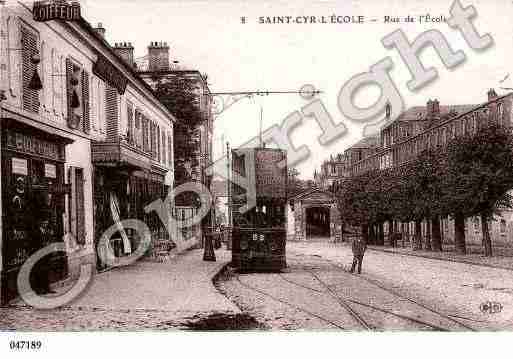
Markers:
{"x": 423, "y": 187}
{"x": 480, "y": 176}
{"x": 353, "y": 204}
{"x": 180, "y": 96}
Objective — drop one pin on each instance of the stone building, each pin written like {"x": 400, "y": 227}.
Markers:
{"x": 156, "y": 68}
{"x": 79, "y": 143}
{"x": 434, "y": 126}
{"x": 331, "y": 170}
{"x": 313, "y": 215}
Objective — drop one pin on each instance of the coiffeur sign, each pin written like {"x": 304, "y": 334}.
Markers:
{"x": 56, "y": 10}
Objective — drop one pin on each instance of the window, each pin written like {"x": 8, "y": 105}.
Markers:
{"x": 130, "y": 123}
{"x": 145, "y": 139}
{"x": 476, "y": 224}
{"x": 500, "y": 113}
{"x": 86, "y": 107}
{"x": 77, "y": 208}
{"x": 170, "y": 150}
{"x": 138, "y": 129}
{"x": 158, "y": 144}
{"x": 153, "y": 142}
{"x": 503, "y": 227}
{"x": 467, "y": 128}
{"x": 164, "y": 159}
{"x": 30, "y": 48}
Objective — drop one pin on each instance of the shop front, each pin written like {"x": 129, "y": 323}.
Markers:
{"x": 33, "y": 204}
{"x": 124, "y": 185}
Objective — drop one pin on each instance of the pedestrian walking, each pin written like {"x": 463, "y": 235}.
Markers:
{"x": 359, "y": 246}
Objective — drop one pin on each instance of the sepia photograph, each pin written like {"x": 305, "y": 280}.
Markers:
{"x": 173, "y": 170}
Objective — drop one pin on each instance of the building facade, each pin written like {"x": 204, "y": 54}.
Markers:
{"x": 418, "y": 129}
{"x": 156, "y": 68}
{"x": 77, "y": 150}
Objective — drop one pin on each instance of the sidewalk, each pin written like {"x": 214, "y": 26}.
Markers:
{"x": 182, "y": 285}
{"x": 474, "y": 256}
{"x": 145, "y": 295}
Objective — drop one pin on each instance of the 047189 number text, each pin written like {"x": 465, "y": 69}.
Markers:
{"x": 19, "y": 345}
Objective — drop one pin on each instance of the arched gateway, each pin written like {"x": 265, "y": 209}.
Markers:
{"x": 313, "y": 215}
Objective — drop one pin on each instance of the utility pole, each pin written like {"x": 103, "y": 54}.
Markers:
{"x": 228, "y": 184}
{"x": 229, "y": 193}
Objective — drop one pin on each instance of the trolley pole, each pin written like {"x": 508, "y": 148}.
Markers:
{"x": 229, "y": 193}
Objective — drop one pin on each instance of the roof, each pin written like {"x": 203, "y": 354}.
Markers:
{"x": 366, "y": 142}
{"x": 310, "y": 191}
{"x": 176, "y": 73}
{"x": 419, "y": 113}
{"x": 85, "y": 25}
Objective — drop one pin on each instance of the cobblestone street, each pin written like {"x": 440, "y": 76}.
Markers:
{"x": 394, "y": 292}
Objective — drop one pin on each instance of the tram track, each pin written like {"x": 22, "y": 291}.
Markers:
{"x": 343, "y": 303}
{"x": 279, "y": 300}
{"x": 400, "y": 295}
{"x": 356, "y": 309}
{"x": 373, "y": 307}
{"x": 339, "y": 266}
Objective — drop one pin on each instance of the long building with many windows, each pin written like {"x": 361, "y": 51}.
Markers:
{"x": 420, "y": 128}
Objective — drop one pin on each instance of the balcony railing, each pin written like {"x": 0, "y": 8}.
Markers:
{"x": 120, "y": 153}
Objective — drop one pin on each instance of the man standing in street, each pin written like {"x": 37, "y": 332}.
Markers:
{"x": 359, "y": 246}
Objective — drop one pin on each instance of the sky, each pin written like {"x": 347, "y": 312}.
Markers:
{"x": 210, "y": 36}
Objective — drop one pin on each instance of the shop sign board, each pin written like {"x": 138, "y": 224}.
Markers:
{"x": 19, "y": 166}
{"x": 56, "y": 10}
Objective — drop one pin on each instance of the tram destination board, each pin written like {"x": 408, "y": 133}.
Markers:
{"x": 270, "y": 172}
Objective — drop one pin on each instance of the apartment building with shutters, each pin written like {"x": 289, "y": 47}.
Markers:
{"x": 157, "y": 68}
{"x": 84, "y": 143}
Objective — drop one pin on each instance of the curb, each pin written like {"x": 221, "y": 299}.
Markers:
{"x": 442, "y": 259}
{"x": 215, "y": 279}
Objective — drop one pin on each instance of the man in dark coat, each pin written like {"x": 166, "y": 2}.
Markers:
{"x": 359, "y": 246}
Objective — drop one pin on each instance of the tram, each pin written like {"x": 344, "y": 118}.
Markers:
{"x": 258, "y": 209}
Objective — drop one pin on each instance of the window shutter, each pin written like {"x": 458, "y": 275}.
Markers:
{"x": 152, "y": 140}
{"x": 77, "y": 207}
{"x": 69, "y": 86}
{"x": 145, "y": 133}
{"x": 112, "y": 115}
{"x": 164, "y": 152}
{"x": 86, "y": 101}
{"x": 170, "y": 150}
{"x": 79, "y": 179}
{"x": 29, "y": 43}
{"x": 72, "y": 202}
{"x": 130, "y": 124}
{"x": 158, "y": 143}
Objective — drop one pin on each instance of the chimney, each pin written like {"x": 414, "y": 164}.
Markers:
{"x": 125, "y": 50}
{"x": 158, "y": 56}
{"x": 492, "y": 95}
{"x": 433, "y": 109}
{"x": 100, "y": 30}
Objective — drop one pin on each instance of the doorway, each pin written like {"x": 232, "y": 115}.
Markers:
{"x": 318, "y": 223}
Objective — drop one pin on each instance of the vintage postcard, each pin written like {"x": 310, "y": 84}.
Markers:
{"x": 258, "y": 166}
